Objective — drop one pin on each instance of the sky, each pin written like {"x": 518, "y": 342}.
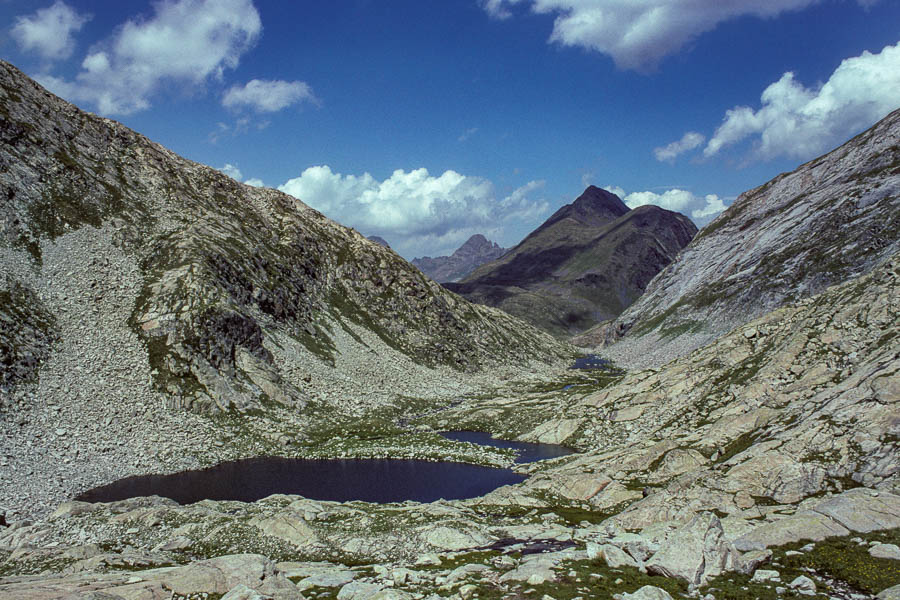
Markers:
{"x": 427, "y": 122}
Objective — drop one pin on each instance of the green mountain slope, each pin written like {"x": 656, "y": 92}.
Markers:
{"x": 585, "y": 264}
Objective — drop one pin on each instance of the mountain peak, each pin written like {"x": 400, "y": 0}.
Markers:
{"x": 477, "y": 244}
{"x": 595, "y": 207}
{"x": 475, "y": 252}
{"x": 594, "y": 200}
{"x": 379, "y": 240}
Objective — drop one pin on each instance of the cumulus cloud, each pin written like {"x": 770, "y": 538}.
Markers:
{"x": 714, "y": 206}
{"x": 235, "y": 173}
{"x": 417, "y": 211}
{"x": 232, "y": 171}
{"x": 701, "y": 209}
{"x": 268, "y": 96}
{"x": 497, "y": 8}
{"x": 49, "y": 30}
{"x": 802, "y": 122}
{"x": 688, "y": 142}
{"x": 638, "y": 34}
{"x": 185, "y": 41}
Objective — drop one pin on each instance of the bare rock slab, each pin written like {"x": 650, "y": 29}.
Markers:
{"x": 863, "y": 510}
{"x": 804, "y": 526}
{"x": 695, "y": 552}
{"x": 892, "y": 593}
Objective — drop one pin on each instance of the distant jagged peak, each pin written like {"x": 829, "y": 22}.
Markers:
{"x": 476, "y": 245}
{"x": 476, "y": 251}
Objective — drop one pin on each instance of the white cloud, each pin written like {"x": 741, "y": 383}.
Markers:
{"x": 49, "y": 30}
{"x": 701, "y": 209}
{"x": 415, "y": 210}
{"x": 637, "y": 34}
{"x": 235, "y": 173}
{"x": 497, "y": 9}
{"x": 467, "y": 134}
{"x": 670, "y": 152}
{"x": 232, "y": 171}
{"x": 801, "y": 122}
{"x": 185, "y": 41}
{"x": 268, "y": 96}
{"x": 714, "y": 206}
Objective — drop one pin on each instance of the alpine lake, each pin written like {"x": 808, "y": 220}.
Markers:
{"x": 341, "y": 480}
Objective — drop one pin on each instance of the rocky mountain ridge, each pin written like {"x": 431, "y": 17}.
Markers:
{"x": 831, "y": 219}
{"x": 476, "y": 251}
{"x": 226, "y": 274}
{"x": 586, "y": 263}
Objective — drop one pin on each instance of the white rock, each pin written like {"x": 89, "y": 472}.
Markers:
{"x": 803, "y": 584}
{"x": 765, "y": 575}
{"x": 648, "y": 592}
{"x": 885, "y": 551}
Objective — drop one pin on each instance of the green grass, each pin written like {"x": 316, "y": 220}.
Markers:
{"x": 835, "y": 558}
{"x": 851, "y": 562}
{"x": 480, "y": 557}
{"x": 734, "y": 586}
{"x": 585, "y": 579}
{"x": 738, "y": 445}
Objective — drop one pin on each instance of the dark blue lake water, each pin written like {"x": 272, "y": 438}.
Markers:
{"x": 387, "y": 480}
{"x": 591, "y": 361}
{"x": 527, "y": 452}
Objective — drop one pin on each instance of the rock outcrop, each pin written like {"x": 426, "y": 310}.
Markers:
{"x": 769, "y": 413}
{"x": 585, "y": 264}
{"x": 832, "y": 219}
{"x": 477, "y": 251}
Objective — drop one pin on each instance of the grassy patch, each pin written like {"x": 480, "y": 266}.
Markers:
{"x": 480, "y": 557}
{"x": 738, "y": 445}
{"x": 689, "y": 326}
{"x": 850, "y": 561}
{"x": 585, "y": 579}
{"x": 735, "y": 586}
{"x": 835, "y": 559}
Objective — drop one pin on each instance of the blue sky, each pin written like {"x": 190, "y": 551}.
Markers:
{"x": 426, "y": 122}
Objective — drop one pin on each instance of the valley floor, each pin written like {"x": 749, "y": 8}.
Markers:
{"x": 763, "y": 465}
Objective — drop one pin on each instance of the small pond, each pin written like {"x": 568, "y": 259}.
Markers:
{"x": 591, "y": 361}
{"x": 371, "y": 480}
{"x": 527, "y": 452}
